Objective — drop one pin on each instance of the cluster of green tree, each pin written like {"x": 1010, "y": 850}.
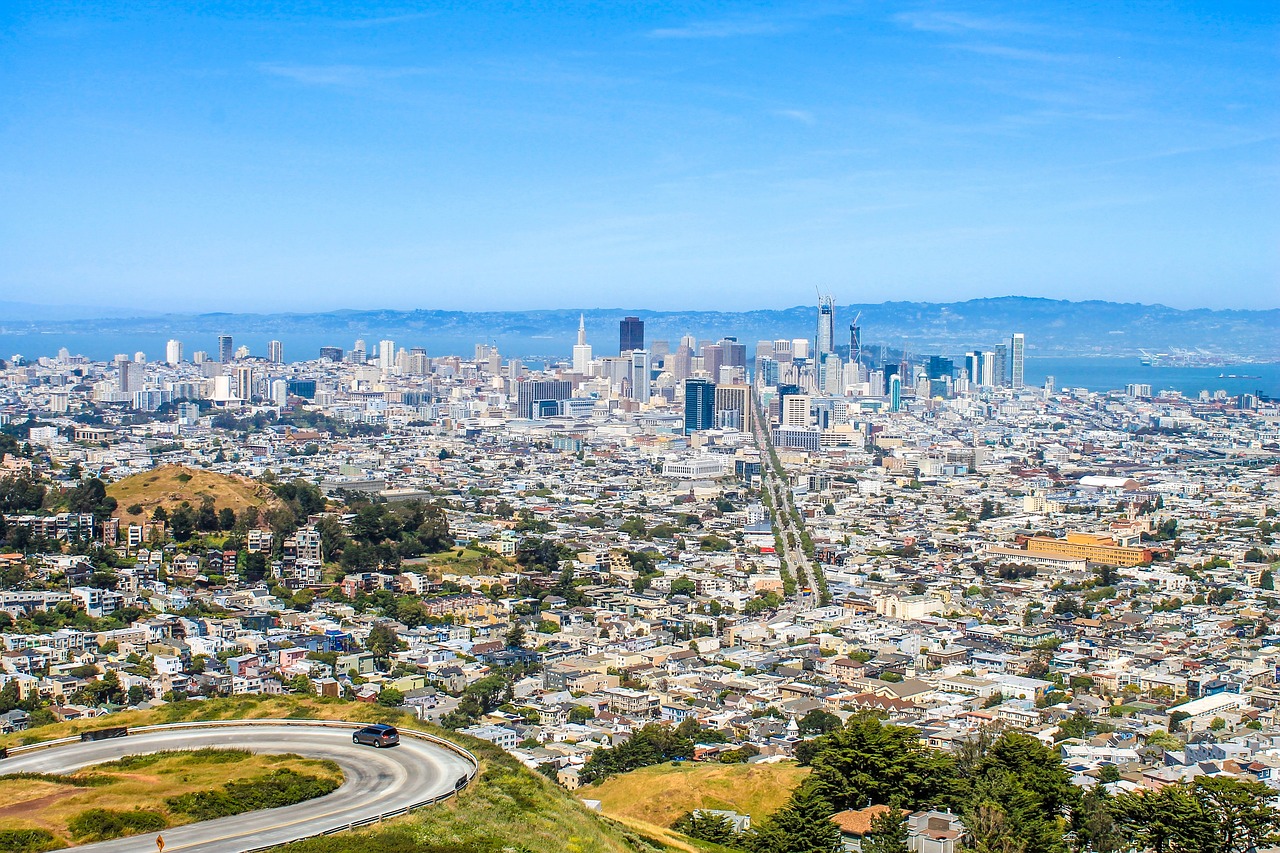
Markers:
{"x": 104, "y": 824}
{"x": 272, "y": 791}
{"x": 706, "y": 826}
{"x": 185, "y": 521}
{"x": 67, "y": 615}
{"x": 21, "y": 494}
{"x": 649, "y": 745}
{"x": 1213, "y": 814}
{"x": 479, "y": 698}
{"x": 1167, "y": 531}
{"x": 107, "y": 690}
{"x": 9, "y": 444}
{"x": 1013, "y": 794}
{"x": 543, "y": 556}
{"x": 11, "y": 699}
{"x": 767, "y": 600}
{"x": 383, "y": 534}
{"x": 300, "y": 419}
{"x": 90, "y": 497}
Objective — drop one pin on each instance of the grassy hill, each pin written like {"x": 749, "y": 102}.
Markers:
{"x": 507, "y": 809}
{"x": 52, "y": 805}
{"x": 659, "y": 795}
{"x": 170, "y": 485}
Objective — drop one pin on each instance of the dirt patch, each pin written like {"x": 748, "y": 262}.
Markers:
{"x": 26, "y": 809}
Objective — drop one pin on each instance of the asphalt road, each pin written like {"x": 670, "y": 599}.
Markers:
{"x": 377, "y": 781}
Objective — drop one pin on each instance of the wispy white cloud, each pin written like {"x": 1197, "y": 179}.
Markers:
{"x": 960, "y": 22}
{"x": 802, "y": 116}
{"x": 719, "y": 30}
{"x": 339, "y": 75}
{"x": 1018, "y": 54}
{"x": 384, "y": 20}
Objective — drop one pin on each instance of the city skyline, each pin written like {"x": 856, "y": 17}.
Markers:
{"x": 487, "y": 158}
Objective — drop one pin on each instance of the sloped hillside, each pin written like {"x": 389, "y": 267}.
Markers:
{"x": 170, "y": 485}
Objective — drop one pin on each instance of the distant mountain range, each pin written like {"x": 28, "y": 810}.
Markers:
{"x": 1052, "y": 327}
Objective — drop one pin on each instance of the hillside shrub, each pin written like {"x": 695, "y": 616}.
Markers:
{"x": 281, "y": 788}
{"x": 105, "y": 824}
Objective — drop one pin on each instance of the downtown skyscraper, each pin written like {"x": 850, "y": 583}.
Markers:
{"x": 826, "y": 337}
{"x": 630, "y": 334}
{"x": 1017, "y": 350}
{"x": 699, "y": 405}
{"x": 582, "y": 349}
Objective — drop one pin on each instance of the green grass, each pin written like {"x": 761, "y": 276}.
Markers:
{"x": 27, "y": 840}
{"x": 128, "y": 795}
{"x": 87, "y": 781}
{"x": 507, "y": 809}
{"x": 105, "y": 824}
{"x": 459, "y": 561}
{"x": 208, "y": 755}
{"x": 281, "y": 788}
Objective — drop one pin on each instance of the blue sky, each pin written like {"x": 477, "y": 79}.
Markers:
{"x": 291, "y": 156}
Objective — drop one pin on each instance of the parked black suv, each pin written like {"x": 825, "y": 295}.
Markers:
{"x": 377, "y": 736}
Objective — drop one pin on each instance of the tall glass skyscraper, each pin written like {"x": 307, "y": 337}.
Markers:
{"x": 630, "y": 334}
{"x": 1016, "y": 348}
{"x": 699, "y": 405}
{"x": 826, "y": 341}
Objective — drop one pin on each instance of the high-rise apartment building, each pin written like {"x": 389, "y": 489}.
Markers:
{"x": 980, "y": 368}
{"x": 830, "y": 373}
{"x": 641, "y": 374}
{"x": 417, "y": 363}
{"x": 733, "y": 406}
{"x": 334, "y": 354}
{"x": 244, "y": 382}
{"x": 1017, "y": 352}
{"x": 130, "y": 378}
{"x": 630, "y": 334}
{"x": 582, "y": 349}
{"x": 795, "y": 410}
{"x": 699, "y": 405}
{"x": 387, "y": 356}
{"x": 1002, "y": 366}
{"x": 226, "y": 349}
{"x": 173, "y": 352}
{"x": 275, "y": 352}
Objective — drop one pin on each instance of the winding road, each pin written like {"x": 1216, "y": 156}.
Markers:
{"x": 377, "y": 781}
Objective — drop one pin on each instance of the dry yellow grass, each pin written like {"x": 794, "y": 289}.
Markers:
{"x": 32, "y": 804}
{"x": 170, "y": 485}
{"x": 659, "y": 795}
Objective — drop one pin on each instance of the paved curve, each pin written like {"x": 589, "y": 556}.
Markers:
{"x": 377, "y": 781}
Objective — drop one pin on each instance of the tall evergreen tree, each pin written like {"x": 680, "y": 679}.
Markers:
{"x": 803, "y": 825}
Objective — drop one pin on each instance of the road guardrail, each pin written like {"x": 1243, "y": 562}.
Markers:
{"x": 121, "y": 731}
